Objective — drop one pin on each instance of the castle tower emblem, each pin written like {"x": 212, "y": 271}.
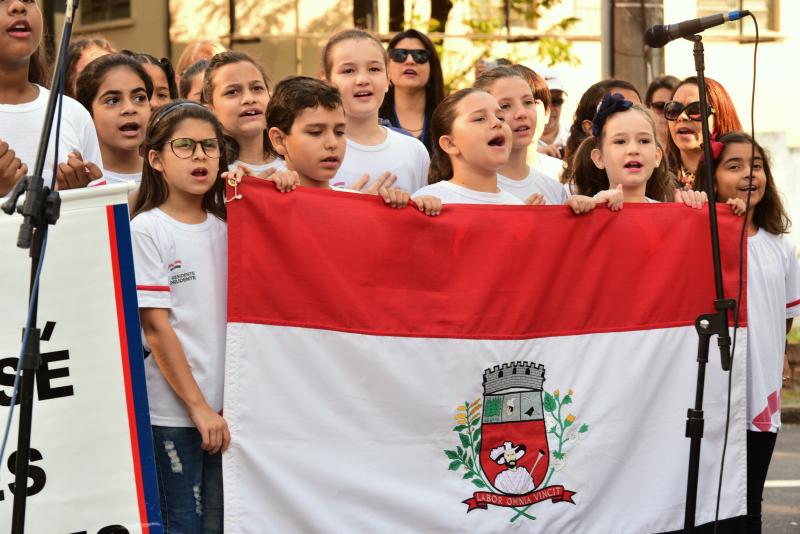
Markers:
{"x": 513, "y": 450}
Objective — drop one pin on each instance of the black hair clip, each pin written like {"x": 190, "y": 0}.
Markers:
{"x": 166, "y": 109}
{"x": 608, "y": 106}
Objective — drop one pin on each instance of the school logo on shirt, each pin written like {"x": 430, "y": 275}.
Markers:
{"x": 179, "y": 277}
{"x": 513, "y": 440}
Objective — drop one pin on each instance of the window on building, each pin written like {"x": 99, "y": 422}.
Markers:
{"x": 765, "y": 11}
{"x": 93, "y": 11}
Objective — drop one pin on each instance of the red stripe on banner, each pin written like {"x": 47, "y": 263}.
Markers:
{"x": 793, "y": 304}
{"x": 347, "y": 262}
{"x": 152, "y": 288}
{"x": 123, "y": 342}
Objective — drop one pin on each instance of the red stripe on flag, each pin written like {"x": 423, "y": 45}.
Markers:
{"x": 793, "y": 303}
{"x": 152, "y": 288}
{"x": 347, "y": 262}
{"x": 123, "y": 344}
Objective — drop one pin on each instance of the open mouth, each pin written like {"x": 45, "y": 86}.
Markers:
{"x": 522, "y": 129}
{"x": 685, "y": 131}
{"x": 130, "y": 128}
{"x": 633, "y": 165}
{"x": 331, "y": 161}
{"x": 363, "y": 94}
{"x": 200, "y": 172}
{"x": 751, "y": 188}
{"x": 20, "y": 28}
{"x": 410, "y": 72}
{"x": 498, "y": 141}
{"x": 250, "y": 113}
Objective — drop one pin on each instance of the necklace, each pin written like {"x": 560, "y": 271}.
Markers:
{"x": 687, "y": 177}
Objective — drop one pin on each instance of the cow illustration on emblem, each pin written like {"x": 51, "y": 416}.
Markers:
{"x": 504, "y": 440}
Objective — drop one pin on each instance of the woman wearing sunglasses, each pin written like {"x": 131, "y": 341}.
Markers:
{"x": 682, "y": 113}
{"x": 659, "y": 92}
{"x": 416, "y": 84}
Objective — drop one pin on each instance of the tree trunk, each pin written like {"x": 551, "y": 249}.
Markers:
{"x": 397, "y": 10}
{"x": 440, "y": 10}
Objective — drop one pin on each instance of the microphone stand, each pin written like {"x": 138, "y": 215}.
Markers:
{"x": 40, "y": 208}
{"x": 710, "y": 324}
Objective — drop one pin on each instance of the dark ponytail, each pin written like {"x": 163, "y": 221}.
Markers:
{"x": 442, "y": 124}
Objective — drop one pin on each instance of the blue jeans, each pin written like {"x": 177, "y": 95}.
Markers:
{"x": 189, "y": 482}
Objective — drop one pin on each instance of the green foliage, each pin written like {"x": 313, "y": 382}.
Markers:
{"x": 489, "y": 19}
{"x": 549, "y": 402}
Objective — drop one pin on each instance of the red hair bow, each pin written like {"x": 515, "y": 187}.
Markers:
{"x": 716, "y": 146}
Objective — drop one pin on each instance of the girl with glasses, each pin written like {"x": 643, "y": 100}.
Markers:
{"x": 179, "y": 239}
{"x": 416, "y": 84}
{"x": 116, "y": 91}
{"x": 686, "y": 135}
{"x": 658, "y": 93}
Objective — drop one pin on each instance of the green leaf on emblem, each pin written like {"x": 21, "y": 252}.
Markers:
{"x": 464, "y": 440}
{"x": 478, "y": 483}
{"x": 549, "y": 402}
{"x": 454, "y": 465}
{"x": 451, "y": 454}
{"x": 584, "y": 427}
{"x": 459, "y": 428}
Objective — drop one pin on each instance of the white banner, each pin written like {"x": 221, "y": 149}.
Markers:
{"x": 92, "y": 464}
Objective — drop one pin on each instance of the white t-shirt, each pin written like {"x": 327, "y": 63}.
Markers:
{"x": 111, "y": 177}
{"x": 552, "y": 167}
{"x": 536, "y": 182}
{"x": 278, "y": 164}
{"x": 183, "y": 267}
{"x": 401, "y": 155}
{"x": 773, "y": 295}
{"x": 21, "y": 128}
{"x": 451, "y": 193}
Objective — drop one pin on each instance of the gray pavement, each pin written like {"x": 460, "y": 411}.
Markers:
{"x": 781, "y": 508}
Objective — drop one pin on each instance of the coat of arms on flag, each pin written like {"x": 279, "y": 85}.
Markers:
{"x": 504, "y": 445}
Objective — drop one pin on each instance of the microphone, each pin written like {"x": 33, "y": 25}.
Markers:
{"x": 659, "y": 35}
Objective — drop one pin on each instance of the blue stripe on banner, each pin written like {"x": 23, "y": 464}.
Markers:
{"x": 136, "y": 359}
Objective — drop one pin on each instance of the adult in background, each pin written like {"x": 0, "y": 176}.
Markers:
{"x": 416, "y": 84}
{"x": 659, "y": 92}
{"x": 555, "y": 136}
{"x": 686, "y": 134}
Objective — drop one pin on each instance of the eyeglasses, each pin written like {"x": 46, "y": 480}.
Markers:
{"x": 674, "y": 109}
{"x": 557, "y": 102}
{"x": 399, "y": 55}
{"x": 184, "y": 147}
{"x": 658, "y": 107}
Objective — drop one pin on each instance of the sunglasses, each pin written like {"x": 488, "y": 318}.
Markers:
{"x": 183, "y": 147}
{"x": 557, "y": 102}
{"x": 674, "y": 109}
{"x": 399, "y": 55}
{"x": 658, "y": 107}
